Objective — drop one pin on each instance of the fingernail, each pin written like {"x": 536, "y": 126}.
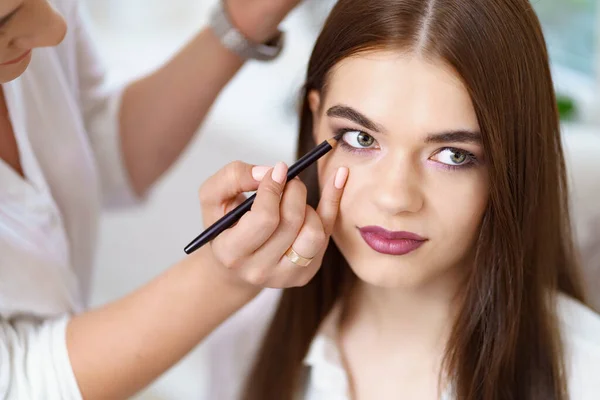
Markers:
{"x": 341, "y": 176}
{"x": 279, "y": 173}
{"x": 259, "y": 172}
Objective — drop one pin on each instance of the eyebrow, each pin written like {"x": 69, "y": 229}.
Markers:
{"x": 457, "y": 136}
{"x": 453, "y": 136}
{"x": 6, "y": 18}
{"x": 351, "y": 114}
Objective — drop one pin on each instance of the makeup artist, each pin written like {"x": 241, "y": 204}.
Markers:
{"x": 68, "y": 148}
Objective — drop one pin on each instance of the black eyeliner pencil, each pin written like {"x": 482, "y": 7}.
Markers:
{"x": 233, "y": 216}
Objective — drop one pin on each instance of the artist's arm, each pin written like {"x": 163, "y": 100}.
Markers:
{"x": 161, "y": 112}
{"x": 120, "y": 348}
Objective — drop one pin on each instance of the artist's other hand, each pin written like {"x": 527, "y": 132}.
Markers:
{"x": 258, "y": 19}
{"x": 253, "y": 252}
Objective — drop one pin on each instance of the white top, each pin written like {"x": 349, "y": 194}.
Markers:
{"x": 328, "y": 380}
{"x": 66, "y": 128}
{"x": 233, "y": 348}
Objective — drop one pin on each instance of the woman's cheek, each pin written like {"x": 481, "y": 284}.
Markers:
{"x": 328, "y": 165}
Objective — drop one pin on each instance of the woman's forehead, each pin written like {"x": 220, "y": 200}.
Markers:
{"x": 396, "y": 89}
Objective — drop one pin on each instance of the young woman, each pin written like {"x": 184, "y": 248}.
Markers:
{"x": 451, "y": 271}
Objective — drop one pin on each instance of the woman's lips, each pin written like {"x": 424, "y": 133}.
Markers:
{"x": 18, "y": 59}
{"x": 387, "y": 242}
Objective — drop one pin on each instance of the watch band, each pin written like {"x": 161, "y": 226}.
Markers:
{"x": 235, "y": 41}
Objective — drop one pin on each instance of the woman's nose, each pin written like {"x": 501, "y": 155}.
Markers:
{"x": 397, "y": 188}
{"x": 40, "y": 25}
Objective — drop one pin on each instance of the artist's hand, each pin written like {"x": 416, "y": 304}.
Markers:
{"x": 258, "y": 19}
{"x": 252, "y": 252}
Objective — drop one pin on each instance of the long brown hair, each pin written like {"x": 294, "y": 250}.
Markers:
{"x": 505, "y": 343}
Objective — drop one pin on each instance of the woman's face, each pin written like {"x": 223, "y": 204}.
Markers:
{"x": 24, "y": 26}
{"x": 418, "y": 185}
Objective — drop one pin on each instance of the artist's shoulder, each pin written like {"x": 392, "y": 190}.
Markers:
{"x": 581, "y": 336}
{"x": 579, "y": 321}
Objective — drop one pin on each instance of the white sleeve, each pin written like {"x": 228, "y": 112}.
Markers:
{"x": 34, "y": 362}
{"x": 100, "y": 106}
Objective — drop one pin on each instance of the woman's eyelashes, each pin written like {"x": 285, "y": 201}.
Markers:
{"x": 453, "y": 158}
{"x": 356, "y": 141}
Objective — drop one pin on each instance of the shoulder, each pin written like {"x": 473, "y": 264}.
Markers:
{"x": 581, "y": 336}
{"x": 580, "y": 325}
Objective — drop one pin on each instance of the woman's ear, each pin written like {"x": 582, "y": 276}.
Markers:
{"x": 314, "y": 102}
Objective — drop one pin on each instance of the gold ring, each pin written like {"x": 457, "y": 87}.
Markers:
{"x": 297, "y": 258}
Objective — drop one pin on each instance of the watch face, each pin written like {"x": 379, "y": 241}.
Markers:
{"x": 233, "y": 40}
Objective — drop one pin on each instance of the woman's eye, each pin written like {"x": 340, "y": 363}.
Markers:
{"x": 358, "y": 139}
{"x": 453, "y": 157}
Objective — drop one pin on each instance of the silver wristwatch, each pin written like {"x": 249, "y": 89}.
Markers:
{"x": 235, "y": 41}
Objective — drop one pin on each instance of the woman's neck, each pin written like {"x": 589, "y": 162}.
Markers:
{"x": 397, "y": 333}
{"x": 418, "y": 317}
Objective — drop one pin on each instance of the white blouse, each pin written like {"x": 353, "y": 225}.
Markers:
{"x": 580, "y": 327}
{"x": 66, "y": 127}
{"x": 234, "y": 346}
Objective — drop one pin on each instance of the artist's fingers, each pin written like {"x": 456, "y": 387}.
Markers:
{"x": 292, "y": 211}
{"x": 227, "y": 184}
{"x": 329, "y": 205}
{"x": 256, "y": 226}
{"x": 310, "y": 243}
{"x": 233, "y": 204}
{"x": 259, "y": 172}
{"x": 310, "y": 240}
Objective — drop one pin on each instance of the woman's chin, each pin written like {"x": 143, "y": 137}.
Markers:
{"x": 401, "y": 277}
{"x": 11, "y": 72}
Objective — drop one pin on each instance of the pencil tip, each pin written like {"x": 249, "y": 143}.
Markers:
{"x": 332, "y": 142}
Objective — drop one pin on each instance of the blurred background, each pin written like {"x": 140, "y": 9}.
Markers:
{"x": 255, "y": 121}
